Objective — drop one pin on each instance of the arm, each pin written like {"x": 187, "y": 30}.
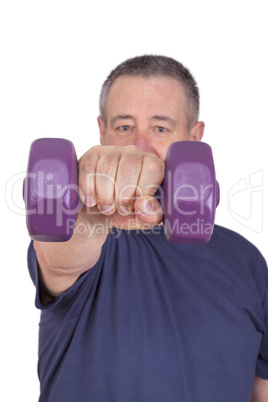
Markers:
{"x": 260, "y": 392}
{"x": 110, "y": 177}
{"x": 61, "y": 264}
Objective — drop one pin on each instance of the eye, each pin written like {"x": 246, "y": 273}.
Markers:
{"x": 161, "y": 129}
{"x": 123, "y": 128}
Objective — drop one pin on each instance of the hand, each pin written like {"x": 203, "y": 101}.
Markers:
{"x": 119, "y": 183}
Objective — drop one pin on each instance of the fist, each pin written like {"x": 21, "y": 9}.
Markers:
{"x": 119, "y": 182}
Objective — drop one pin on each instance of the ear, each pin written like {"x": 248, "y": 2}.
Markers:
{"x": 102, "y": 130}
{"x": 197, "y": 131}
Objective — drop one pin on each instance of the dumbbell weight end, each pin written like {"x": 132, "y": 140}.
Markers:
{"x": 50, "y": 190}
{"x": 190, "y": 193}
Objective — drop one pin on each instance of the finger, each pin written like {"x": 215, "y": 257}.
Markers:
{"x": 128, "y": 174}
{"x": 152, "y": 175}
{"x": 105, "y": 181}
{"x": 86, "y": 180}
{"x": 148, "y": 211}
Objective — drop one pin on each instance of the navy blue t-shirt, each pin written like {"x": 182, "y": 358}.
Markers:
{"x": 156, "y": 322}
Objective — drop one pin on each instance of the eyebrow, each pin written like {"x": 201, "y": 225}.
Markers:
{"x": 156, "y": 117}
{"x": 162, "y": 117}
{"x": 121, "y": 117}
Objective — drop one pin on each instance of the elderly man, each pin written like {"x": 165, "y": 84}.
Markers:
{"x": 126, "y": 315}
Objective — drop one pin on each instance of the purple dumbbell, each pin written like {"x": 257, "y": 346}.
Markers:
{"x": 189, "y": 193}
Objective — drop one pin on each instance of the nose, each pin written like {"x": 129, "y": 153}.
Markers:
{"x": 143, "y": 142}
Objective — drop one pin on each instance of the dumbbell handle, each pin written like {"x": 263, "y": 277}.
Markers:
{"x": 189, "y": 198}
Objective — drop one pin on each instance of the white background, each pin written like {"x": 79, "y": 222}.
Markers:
{"x": 54, "y": 58}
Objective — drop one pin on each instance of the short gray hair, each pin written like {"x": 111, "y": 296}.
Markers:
{"x": 151, "y": 65}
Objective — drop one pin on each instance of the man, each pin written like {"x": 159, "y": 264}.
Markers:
{"x": 127, "y": 316}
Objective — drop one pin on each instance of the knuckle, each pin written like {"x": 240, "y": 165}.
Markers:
{"x": 85, "y": 163}
{"x": 109, "y": 165}
{"x": 131, "y": 163}
{"x": 133, "y": 157}
{"x": 85, "y": 167}
{"x": 133, "y": 149}
{"x": 154, "y": 165}
{"x": 85, "y": 177}
{"x": 92, "y": 151}
{"x": 132, "y": 152}
{"x": 125, "y": 203}
{"x": 129, "y": 168}
{"x": 150, "y": 209}
{"x": 126, "y": 192}
{"x": 105, "y": 197}
{"x": 95, "y": 148}
{"x": 102, "y": 201}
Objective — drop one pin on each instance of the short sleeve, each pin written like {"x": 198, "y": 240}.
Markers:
{"x": 262, "y": 361}
{"x": 33, "y": 268}
{"x": 34, "y": 274}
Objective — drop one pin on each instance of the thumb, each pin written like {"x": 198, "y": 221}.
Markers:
{"x": 148, "y": 211}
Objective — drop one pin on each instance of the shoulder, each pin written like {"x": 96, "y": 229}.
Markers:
{"x": 238, "y": 251}
{"x": 228, "y": 239}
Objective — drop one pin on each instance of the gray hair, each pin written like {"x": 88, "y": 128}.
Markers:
{"x": 150, "y": 65}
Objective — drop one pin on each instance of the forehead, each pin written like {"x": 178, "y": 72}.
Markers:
{"x": 158, "y": 94}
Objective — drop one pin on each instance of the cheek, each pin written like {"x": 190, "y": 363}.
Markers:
{"x": 111, "y": 139}
{"x": 107, "y": 138}
{"x": 161, "y": 149}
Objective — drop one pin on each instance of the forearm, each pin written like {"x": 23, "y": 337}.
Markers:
{"x": 62, "y": 263}
{"x": 260, "y": 393}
